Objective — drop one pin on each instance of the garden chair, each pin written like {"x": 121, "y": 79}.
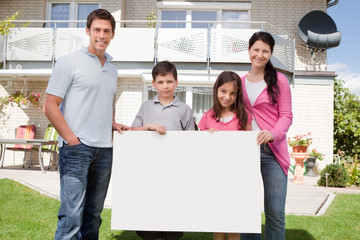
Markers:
{"x": 23, "y": 132}
{"x": 50, "y": 135}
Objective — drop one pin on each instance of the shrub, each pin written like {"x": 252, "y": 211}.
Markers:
{"x": 338, "y": 177}
{"x": 354, "y": 172}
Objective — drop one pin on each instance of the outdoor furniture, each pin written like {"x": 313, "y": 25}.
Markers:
{"x": 27, "y": 144}
{"x": 50, "y": 136}
{"x": 32, "y": 142}
{"x": 24, "y": 132}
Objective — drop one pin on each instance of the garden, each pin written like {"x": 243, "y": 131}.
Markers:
{"x": 345, "y": 170}
{"x": 26, "y": 214}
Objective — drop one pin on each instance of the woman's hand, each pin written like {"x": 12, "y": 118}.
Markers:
{"x": 264, "y": 136}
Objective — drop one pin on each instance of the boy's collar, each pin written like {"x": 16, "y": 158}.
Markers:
{"x": 175, "y": 102}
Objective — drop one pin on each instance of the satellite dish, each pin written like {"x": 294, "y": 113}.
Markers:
{"x": 318, "y": 30}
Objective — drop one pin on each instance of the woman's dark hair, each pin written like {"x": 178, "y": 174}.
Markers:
{"x": 238, "y": 107}
{"x": 100, "y": 14}
{"x": 270, "y": 75}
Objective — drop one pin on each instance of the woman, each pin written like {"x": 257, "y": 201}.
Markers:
{"x": 268, "y": 97}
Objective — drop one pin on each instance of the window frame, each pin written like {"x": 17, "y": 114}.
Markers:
{"x": 202, "y": 6}
{"x": 73, "y": 9}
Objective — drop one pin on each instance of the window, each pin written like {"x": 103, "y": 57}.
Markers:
{"x": 180, "y": 92}
{"x": 200, "y": 99}
{"x": 173, "y": 15}
{"x": 60, "y": 11}
{"x": 201, "y": 11}
{"x": 203, "y": 16}
{"x": 69, "y": 11}
{"x": 234, "y": 16}
{"x": 84, "y": 9}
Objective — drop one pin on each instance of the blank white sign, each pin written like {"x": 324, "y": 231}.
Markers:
{"x": 186, "y": 181}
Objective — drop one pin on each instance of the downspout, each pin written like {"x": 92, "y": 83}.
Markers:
{"x": 333, "y": 3}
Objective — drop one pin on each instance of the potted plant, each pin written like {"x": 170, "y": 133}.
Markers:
{"x": 310, "y": 162}
{"x": 300, "y": 143}
{"x": 316, "y": 154}
{"x": 22, "y": 99}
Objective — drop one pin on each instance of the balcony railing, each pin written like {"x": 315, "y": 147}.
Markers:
{"x": 202, "y": 45}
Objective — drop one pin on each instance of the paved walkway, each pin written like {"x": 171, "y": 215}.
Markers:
{"x": 306, "y": 199}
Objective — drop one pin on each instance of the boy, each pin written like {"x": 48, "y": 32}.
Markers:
{"x": 164, "y": 112}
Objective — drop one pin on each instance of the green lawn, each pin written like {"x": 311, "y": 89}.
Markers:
{"x": 26, "y": 214}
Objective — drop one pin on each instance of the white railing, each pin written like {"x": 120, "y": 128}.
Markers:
{"x": 208, "y": 45}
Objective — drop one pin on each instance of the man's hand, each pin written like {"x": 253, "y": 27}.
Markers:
{"x": 120, "y": 127}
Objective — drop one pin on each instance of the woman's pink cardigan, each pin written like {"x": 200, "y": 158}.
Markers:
{"x": 274, "y": 118}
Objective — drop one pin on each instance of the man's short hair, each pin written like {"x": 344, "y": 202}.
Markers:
{"x": 164, "y": 68}
{"x": 100, "y": 14}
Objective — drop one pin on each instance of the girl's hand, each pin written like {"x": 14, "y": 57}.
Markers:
{"x": 211, "y": 130}
{"x": 264, "y": 136}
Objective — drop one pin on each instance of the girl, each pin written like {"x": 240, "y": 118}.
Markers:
{"x": 227, "y": 114}
{"x": 267, "y": 95}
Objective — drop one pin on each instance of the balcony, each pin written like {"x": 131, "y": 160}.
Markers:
{"x": 30, "y": 48}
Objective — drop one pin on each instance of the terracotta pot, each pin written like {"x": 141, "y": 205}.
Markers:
{"x": 299, "y": 149}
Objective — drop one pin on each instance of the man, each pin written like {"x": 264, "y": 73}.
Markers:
{"x": 83, "y": 85}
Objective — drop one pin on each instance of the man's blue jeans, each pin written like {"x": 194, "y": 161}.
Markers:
{"x": 84, "y": 179}
{"x": 275, "y": 188}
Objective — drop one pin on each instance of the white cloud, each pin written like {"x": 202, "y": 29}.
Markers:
{"x": 352, "y": 79}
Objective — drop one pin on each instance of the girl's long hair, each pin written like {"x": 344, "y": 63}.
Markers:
{"x": 238, "y": 106}
{"x": 270, "y": 75}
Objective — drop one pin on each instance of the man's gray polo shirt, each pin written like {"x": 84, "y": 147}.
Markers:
{"x": 177, "y": 116}
{"x": 88, "y": 90}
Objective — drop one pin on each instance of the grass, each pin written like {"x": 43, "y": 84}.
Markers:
{"x": 26, "y": 214}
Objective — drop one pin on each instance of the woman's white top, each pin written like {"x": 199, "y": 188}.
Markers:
{"x": 253, "y": 90}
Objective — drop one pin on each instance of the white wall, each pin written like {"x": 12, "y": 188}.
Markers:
{"x": 313, "y": 112}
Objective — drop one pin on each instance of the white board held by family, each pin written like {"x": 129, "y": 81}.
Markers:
{"x": 187, "y": 181}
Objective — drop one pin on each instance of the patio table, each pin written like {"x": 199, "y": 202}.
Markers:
{"x": 33, "y": 142}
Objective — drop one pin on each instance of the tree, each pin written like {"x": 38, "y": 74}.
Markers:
{"x": 5, "y": 27}
{"x": 346, "y": 121}
{"x": 7, "y": 23}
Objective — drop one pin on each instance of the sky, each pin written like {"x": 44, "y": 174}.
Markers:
{"x": 345, "y": 59}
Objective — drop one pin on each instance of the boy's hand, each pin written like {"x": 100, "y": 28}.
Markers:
{"x": 120, "y": 127}
{"x": 156, "y": 127}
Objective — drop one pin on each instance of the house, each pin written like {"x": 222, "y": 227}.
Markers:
{"x": 211, "y": 36}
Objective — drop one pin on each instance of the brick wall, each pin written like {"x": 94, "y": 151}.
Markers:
{"x": 36, "y": 9}
{"x": 313, "y": 112}
{"x": 116, "y": 7}
{"x": 129, "y": 99}
{"x": 29, "y": 10}
{"x": 139, "y": 10}
{"x": 286, "y": 14}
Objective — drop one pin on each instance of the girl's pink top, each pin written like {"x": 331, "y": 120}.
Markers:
{"x": 207, "y": 122}
{"x": 275, "y": 118}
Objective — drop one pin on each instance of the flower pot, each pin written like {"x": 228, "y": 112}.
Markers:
{"x": 310, "y": 162}
{"x": 300, "y": 149}
{"x": 25, "y": 106}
